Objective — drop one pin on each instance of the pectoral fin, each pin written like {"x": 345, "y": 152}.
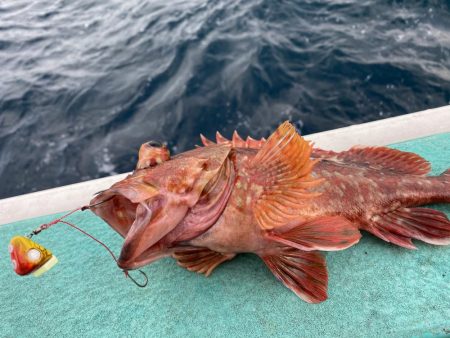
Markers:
{"x": 324, "y": 233}
{"x": 305, "y": 273}
{"x": 200, "y": 260}
{"x": 283, "y": 168}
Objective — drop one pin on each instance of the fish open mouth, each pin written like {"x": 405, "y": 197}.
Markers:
{"x": 120, "y": 213}
{"x": 143, "y": 225}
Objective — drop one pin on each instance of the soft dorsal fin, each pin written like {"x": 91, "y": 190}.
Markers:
{"x": 283, "y": 169}
{"x": 385, "y": 159}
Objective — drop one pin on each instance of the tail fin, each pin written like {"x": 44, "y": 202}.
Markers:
{"x": 402, "y": 225}
{"x": 445, "y": 187}
{"x": 445, "y": 176}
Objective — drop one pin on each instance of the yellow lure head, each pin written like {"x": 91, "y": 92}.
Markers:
{"x": 29, "y": 257}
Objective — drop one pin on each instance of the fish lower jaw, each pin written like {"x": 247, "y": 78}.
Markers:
{"x": 149, "y": 256}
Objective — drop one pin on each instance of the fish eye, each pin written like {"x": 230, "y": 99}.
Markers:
{"x": 154, "y": 144}
{"x": 34, "y": 255}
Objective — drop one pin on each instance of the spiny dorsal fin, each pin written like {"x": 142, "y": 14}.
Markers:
{"x": 254, "y": 144}
{"x": 220, "y": 139}
{"x": 283, "y": 169}
{"x": 206, "y": 142}
{"x": 237, "y": 141}
{"x": 386, "y": 159}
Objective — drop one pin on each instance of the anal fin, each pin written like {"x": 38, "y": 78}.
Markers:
{"x": 402, "y": 225}
{"x": 305, "y": 273}
{"x": 200, "y": 260}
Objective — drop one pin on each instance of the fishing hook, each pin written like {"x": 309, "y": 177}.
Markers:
{"x": 143, "y": 285}
{"x": 94, "y": 205}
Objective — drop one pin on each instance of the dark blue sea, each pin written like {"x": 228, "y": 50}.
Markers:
{"x": 84, "y": 82}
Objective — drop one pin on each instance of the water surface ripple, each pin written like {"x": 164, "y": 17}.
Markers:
{"x": 84, "y": 83}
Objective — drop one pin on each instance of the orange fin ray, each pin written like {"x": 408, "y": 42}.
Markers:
{"x": 282, "y": 167}
{"x": 402, "y": 225}
{"x": 305, "y": 273}
{"x": 329, "y": 233}
{"x": 200, "y": 260}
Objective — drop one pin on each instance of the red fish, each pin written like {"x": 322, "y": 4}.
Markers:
{"x": 280, "y": 199}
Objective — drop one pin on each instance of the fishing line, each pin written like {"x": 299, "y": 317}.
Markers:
{"x": 61, "y": 220}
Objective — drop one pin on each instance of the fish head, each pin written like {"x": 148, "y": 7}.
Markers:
{"x": 151, "y": 202}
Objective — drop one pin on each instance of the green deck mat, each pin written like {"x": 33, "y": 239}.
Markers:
{"x": 375, "y": 289}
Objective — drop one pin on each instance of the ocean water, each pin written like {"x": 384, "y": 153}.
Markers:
{"x": 83, "y": 83}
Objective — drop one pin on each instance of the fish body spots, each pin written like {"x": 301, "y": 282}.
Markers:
{"x": 239, "y": 203}
{"x": 248, "y": 201}
{"x": 256, "y": 189}
{"x": 323, "y": 173}
{"x": 375, "y": 218}
{"x": 356, "y": 192}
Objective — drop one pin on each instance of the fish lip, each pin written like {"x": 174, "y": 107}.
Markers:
{"x": 152, "y": 254}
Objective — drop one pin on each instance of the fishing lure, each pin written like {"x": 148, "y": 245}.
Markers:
{"x": 29, "y": 257}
